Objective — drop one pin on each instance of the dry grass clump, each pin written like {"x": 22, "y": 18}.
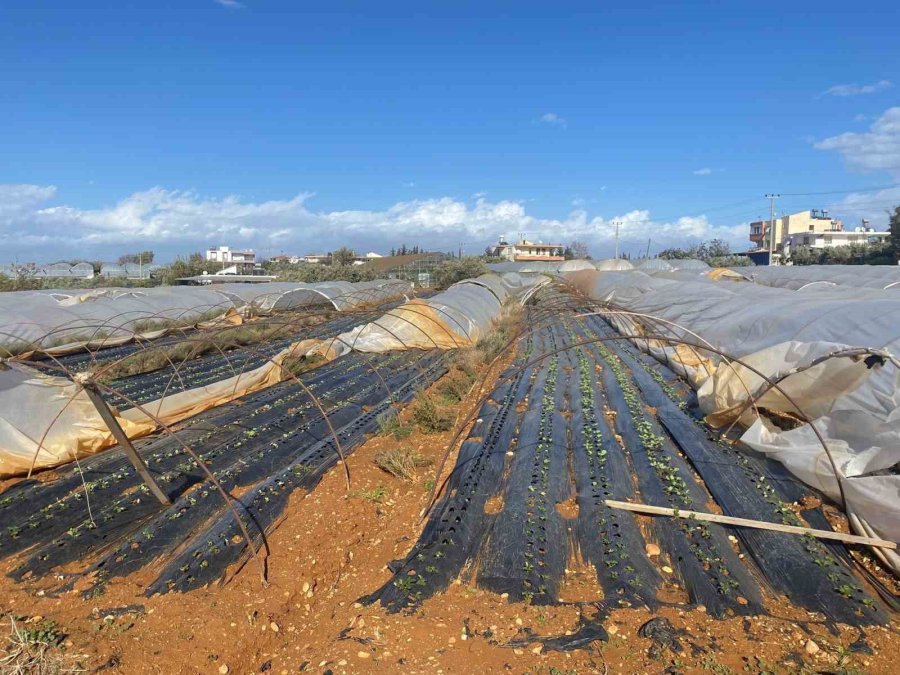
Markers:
{"x": 503, "y": 330}
{"x": 401, "y": 462}
{"x": 35, "y": 650}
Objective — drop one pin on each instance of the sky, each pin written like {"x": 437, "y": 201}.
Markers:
{"x": 292, "y": 127}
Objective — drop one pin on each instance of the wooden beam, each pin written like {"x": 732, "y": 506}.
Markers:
{"x": 109, "y": 419}
{"x": 746, "y": 522}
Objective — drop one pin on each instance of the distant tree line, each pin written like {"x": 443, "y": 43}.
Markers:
{"x": 881, "y": 253}
{"x": 576, "y": 250}
{"x": 715, "y": 253}
{"x": 406, "y": 250}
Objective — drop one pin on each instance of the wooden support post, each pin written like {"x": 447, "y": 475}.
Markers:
{"x": 746, "y": 522}
{"x": 121, "y": 437}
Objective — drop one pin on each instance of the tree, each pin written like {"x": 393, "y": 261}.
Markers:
{"x": 715, "y": 253}
{"x": 192, "y": 266}
{"x": 852, "y": 254}
{"x": 143, "y": 256}
{"x": 716, "y": 248}
{"x": 343, "y": 256}
{"x": 895, "y": 233}
{"x": 450, "y": 271}
{"x": 576, "y": 250}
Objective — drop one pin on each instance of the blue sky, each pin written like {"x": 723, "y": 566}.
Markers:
{"x": 266, "y": 123}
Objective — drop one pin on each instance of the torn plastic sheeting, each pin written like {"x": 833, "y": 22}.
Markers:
{"x": 777, "y": 330}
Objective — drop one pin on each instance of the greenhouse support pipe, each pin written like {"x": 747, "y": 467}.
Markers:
{"x": 212, "y": 477}
{"x": 747, "y": 522}
{"x": 119, "y": 434}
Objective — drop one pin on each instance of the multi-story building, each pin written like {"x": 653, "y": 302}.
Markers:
{"x": 831, "y": 238}
{"x": 527, "y": 251}
{"x": 223, "y": 256}
{"x": 802, "y": 222}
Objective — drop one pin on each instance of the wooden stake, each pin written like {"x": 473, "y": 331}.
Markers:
{"x": 746, "y": 522}
{"x": 122, "y": 438}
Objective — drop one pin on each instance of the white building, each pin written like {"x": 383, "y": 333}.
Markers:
{"x": 243, "y": 261}
{"x": 528, "y": 251}
{"x": 830, "y": 239}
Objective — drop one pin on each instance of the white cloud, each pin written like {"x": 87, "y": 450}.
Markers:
{"x": 553, "y": 120}
{"x": 705, "y": 171}
{"x": 230, "y": 4}
{"x": 872, "y": 206}
{"x": 875, "y": 150}
{"x": 178, "y": 222}
{"x": 857, "y": 89}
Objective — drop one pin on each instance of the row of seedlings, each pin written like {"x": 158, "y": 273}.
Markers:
{"x": 802, "y": 568}
{"x": 213, "y": 366}
{"x": 272, "y": 454}
{"x": 254, "y": 449}
{"x": 521, "y": 555}
{"x": 208, "y": 554}
{"x": 708, "y": 567}
{"x": 104, "y": 480}
{"x": 608, "y": 538}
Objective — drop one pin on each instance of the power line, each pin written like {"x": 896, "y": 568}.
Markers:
{"x": 839, "y": 192}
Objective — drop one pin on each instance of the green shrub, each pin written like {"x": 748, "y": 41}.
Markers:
{"x": 429, "y": 416}
{"x": 390, "y": 425}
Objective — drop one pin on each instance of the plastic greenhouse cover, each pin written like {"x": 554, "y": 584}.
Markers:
{"x": 775, "y": 330}
{"x": 575, "y": 265}
{"x": 799, "y": 277}
{"x": 47, "y": 321}
{"x": 457, "y": 317}
{"x": 493, "y": 283}
{"x": 688, "y": 264}
{"x": 60, "y": 321}
{"x": 649, "y": 264}
{"x": 529, "y": 267}
{"x": 284, "y": 295}
{"x": 613, "y": 265}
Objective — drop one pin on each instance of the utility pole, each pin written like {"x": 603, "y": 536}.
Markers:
{"x": 616, "y": 223}
{"x": 141, "y": 264}
{"x": 772, "y": 198}
{"x": 460, "y": 251}
{"x": 648, "y": 248}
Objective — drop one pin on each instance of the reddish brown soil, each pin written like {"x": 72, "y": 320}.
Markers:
{"x": 333, "y": 548}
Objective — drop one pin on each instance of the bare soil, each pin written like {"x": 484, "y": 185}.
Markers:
{"x": 333, "y": 547}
